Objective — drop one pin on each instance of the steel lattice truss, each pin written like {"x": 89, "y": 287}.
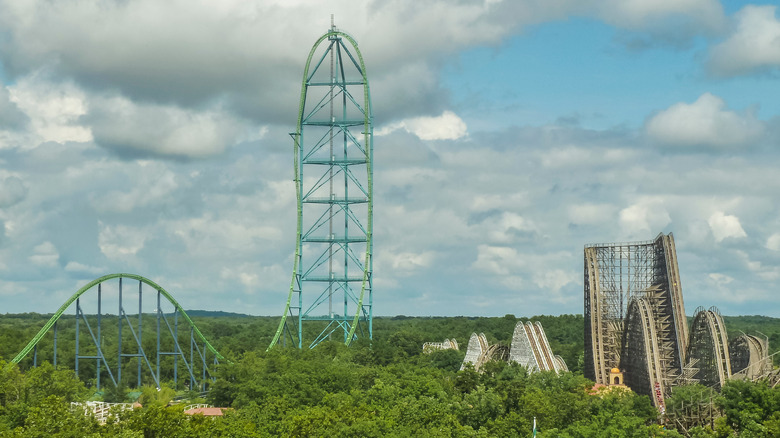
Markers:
{"x": 331, "y": 285}
{"x": 138, "y": 350}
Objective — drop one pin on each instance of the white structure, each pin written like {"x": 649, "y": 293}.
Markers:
{"x": 530, "y": 349}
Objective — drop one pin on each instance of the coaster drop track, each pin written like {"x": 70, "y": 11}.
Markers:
{"x": 330, "y": 294}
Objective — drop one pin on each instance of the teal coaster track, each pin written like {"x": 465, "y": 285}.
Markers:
{"x": 333, "y": 162}
{"x": 196, "y": 366}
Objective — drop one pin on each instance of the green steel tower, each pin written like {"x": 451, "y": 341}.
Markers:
{"x": 331, "y": 288}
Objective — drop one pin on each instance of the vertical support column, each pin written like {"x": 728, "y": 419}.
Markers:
{"x": 176, "y": 346}
{"x": 35, "y": 356}
{"x": 99, "y": 339}
{"x": 119, "y": 337}
{"x": 203, "y": 378}
{"x": 159, "y": 310}
{"x": 344, "y": 207}
{"x": 55, "y": 344}
{"x": 140, "y": 334}
{"x": 192, "y": 364}
{"x": 78, "y": 314}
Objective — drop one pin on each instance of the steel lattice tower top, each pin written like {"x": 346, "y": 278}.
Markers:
{"x": 331, "y": 287}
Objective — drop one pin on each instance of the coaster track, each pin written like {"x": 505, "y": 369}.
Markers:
{"x": 331, "y": 285}
{"x": 635, "y": 320}
{"x": 195, "y": 366}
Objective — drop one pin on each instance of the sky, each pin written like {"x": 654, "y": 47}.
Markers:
{"x": 152, "y": 138}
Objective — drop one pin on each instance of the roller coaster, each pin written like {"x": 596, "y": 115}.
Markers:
{"x": 529, "y": 348}
{"x": 635, "y": 321}
{"x": 331, "y": 285}
{"x": 132, "y": 342}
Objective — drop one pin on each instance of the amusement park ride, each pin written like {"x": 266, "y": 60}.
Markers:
{"x": 331, "y": 287}
{"x": 635, "y": 319}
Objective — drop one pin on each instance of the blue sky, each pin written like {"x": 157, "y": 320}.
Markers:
{"x": 151, "y": 138}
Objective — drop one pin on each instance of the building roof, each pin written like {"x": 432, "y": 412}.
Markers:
{"x": 208, "y": 412}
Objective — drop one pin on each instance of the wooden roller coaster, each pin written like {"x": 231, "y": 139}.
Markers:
{"x": 635, "y": 321}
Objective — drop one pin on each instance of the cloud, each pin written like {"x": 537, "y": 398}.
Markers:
{"x": 45, "y": 255}
{"x": 447, "y": 126}
{"x": 773, "y": 242}
{"x": 753, "y": 47}
{"x": 673, "y": 22}
{"x": 408, "y": 263}
{"x": 498, "y": 260}
{"x": 53, "y": 107}
{"x": 645, "y": 217}
{"x": 190, "y": 54}
{"x": 704, "y": 122}
{"x": 591, "y": 214}
{"x": 120, "y": 242}
{"x": 82, "y": 269}
{"x": 11, "y": 117}
{"x": 125, "y": 98}
{"x": 12, "y": 191}
{"x": 724, "y": 226}
{"x": 163, "y": 130}
{"x": 156, "y": 184}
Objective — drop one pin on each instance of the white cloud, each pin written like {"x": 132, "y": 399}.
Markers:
{"x": 447, "y": 126}
{"x": 156, "y": 184}
{"x": 128, "y": 127}
{"x": 705, "y": 122}
{"x": 657, "y": 16}
{"x": 592, "y": 214}
{"x": 754, "y": 45}
{"x": 645, "y": 217}
{"x": 10, "y": 115}
{"x": 120, "y": 242}
{"x": 54, "y": 108}
{"x": 720, "y": 279}
{"x": 12, "y": 191}
{"x": 497, "y": 260}
{"x": 553, "y": 280}
{"x": 222, "y": 237}
{"x": 773, "y": 242}
{"x": 254, "y": 276}
{"x": 408, "y": 263}
{"x": 45, "y": 255}
{"x": 724, "y": 226}
{"x": 506, "y": 227}
{"x": 80, "y": 268}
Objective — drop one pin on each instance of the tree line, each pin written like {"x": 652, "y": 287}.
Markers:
{"x": 387, "y": 387}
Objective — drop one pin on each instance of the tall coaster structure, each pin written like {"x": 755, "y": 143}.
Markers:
{"x": 634, "y": 315}
{"x": 635, "y": 321}
{"x": 331, "y": 287}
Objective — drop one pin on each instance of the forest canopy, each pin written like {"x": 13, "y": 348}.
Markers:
{"x": 387, "y": 387}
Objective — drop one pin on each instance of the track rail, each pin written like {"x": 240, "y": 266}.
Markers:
{"x": 50, "y": 323}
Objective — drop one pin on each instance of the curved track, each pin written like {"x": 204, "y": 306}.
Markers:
{"x": 709, "y": 348}
{"x": 49, "y": 324}
{"x": 195, "y": 334}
